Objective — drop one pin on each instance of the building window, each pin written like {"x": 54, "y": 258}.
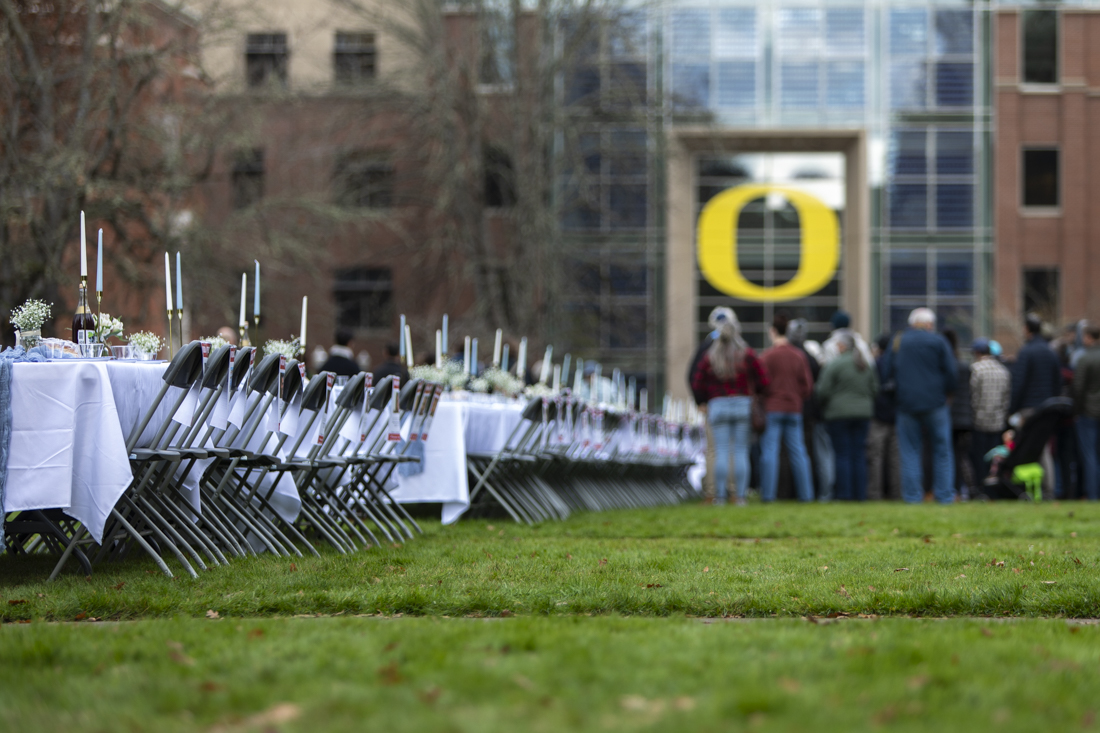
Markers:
{"x": 1040, "y": 44}
{"x": 265, "y": 58}
{"x": 248, "y": 178}
{"x": 608, "y": 303}
{"x": 364, "y": 297}
{"x": 354, "y": 58}
{"x": 931, "y": 58}
{"x": 932, "y": 179}
{"x": 1041, "y": 292}
{"x": 1041, "y": 177}
{"x": 363, "y": 180}
{"x": 500, "y": 191}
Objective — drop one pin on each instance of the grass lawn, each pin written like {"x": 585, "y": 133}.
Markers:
{"x": 785, "y": 560}
{"x": 548, "y": 674}
{"x": 597, "y": 631}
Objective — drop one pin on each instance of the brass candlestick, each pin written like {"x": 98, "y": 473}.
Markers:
{"x": 179, "y": 315}
{"x": 244, "y": 336}
{"x": 171, "y": 340}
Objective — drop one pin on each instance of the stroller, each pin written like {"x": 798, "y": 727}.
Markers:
{"x": 1030, "y": 441}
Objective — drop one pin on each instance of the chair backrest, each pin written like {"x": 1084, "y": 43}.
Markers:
{"x": 292, "y": 381}
{"x": 408, "y": 393}
{"x": 313, "y": 397}
{"x": 240, "y": 366}
{"x": 217, "y": 366}
{"x": 265, "y": 374}
{"x": 352, "y": 394}
{"x": 381, "y": 394}
{"x": 185, "y": 367}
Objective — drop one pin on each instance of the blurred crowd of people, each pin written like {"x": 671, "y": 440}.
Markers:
{"x": 914, "y": 415}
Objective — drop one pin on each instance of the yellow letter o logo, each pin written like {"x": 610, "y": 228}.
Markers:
{"x": 717, "y": 240}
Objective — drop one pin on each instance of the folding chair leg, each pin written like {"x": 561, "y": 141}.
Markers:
{"x": 142, "y": 543}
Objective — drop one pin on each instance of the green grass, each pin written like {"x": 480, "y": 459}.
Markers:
{"x": 548, "y": 674}
{"x": 786, "y": 560}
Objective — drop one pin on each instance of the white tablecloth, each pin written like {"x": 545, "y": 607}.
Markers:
{"x": 68, "y": 446}
{"x": 458, "y": 428}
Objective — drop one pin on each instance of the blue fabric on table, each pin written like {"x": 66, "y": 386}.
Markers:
{"x": 415, "y": 450}
{"x": 7, "y": 358}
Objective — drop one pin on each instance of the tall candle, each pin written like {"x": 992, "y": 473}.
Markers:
{"x": 179, "y": 283}
{"x": 438, "y": 349}
{"x": 473, "y": 358}
{"x": 255, "y": 296}
{"x": 631, "y": 393}
{"x": 84, "y": 251}
{"x": 521, "y": 360}
{"x": 466, "y": 357}
{"x": 401, "y": 338}
{"x": 643, "y": 400}
{"x": 578, "y": 380}
{"x": 557, "y": 378}
{"x": 410, "y": 362}
{"x": 167, "y": 282}
{"x": 446, "y": 343}
{"x": 504, "y": 359}
{"x": 544, "y": 374}
{"x": 244, "y": 289}
{"x": 99, "y": 265}
{"x": 565, "y": 369}
{"x": 496, "y": 348}
{"x": 305, "y": 309}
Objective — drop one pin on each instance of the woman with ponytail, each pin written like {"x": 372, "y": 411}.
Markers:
{"x": 846, "y": 392}
{"x": 728, "y": 375}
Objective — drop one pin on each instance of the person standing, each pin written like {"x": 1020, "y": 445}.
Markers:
{"x": 990, "y": 392}
{"x": 924, "y": 370}
{"x": 1086, "y": 404}
{"x": 846, "y": 391}
{"x": 883, "y": 462}
{"x": 962, "y": 422}
{"x": 717, "y": 317}
{"x": 341, "y": 359}
{"x": 790, "y": 384}
{"x": 1036, "y": 377}
{"x": 841, "y": 323}
{"x": 727, "y": 376}
{"x": 392, "y": 366}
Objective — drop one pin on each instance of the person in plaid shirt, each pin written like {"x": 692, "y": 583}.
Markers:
{"x": 990, "y": 392}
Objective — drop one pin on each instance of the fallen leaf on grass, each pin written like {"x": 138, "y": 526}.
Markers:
{"x": 120, "y": 586}
{"x": 505, "y": 613}
{"x": 986, "y": 632}
{"x": 706, "y": 569}
{"x": 390, "y": 675}
{"x": 1049, "y": 582}
{"x": 1078, "y": 562}
{"x": 428, "y": 697}
{"x": 568, "y": 556}
{"x": 1072, "y": 534}
{"x": 603, "y": 561}
{"x": 927, "y": 539}
{"x": 293, "y": 567}
{"x": 812, "y": 619}
{"x": 871, "y": 588}
{"x": 899, "y": 570}
{"x": 80, "y": 616}
{"x": 960, "y": 575}
{"x": 1016, "y": 570}
{"x": 654, "y": 585}
{"x": 176, "y": 654}
{"x": 17, "y": 602}
{"x": 283, "y": 712}
{"x": 211, "y": 613}
{"x": 684, "y": 703}
{"x": 916, "y": 683}
{"x": 255, "y": 633}
{"x": 843, "y": 592}
{"x": 210, "y": 687}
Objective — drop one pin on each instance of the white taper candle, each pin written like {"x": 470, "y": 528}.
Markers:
{"x": 84, "y": 251}
{"x": 244, "y": 290}
{"x": 167, "y": 281}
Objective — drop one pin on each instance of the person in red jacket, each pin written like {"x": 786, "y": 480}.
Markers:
{"x": 727, "y": 376}
{"x": 790, "y": 385}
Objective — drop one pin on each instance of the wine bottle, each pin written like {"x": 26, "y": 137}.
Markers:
{"x": 83, "y": 320}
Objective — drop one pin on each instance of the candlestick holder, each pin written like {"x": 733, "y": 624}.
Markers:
{"x": 244, "y": 336}
{"x": 179, "y": 316}
{"x": 171, "y": 340}
{"x": 256, "y": 323}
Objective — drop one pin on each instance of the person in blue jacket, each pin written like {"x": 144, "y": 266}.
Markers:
{"x": 921, "y": 365}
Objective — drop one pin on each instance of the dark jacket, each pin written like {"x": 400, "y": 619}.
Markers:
{"x": 341, "y": 366}
{"x": 1086, "y": 383}
{"x": 924, "y": 370}
{"x": 1036, "y": 376}
{"x": 885, "y": 411}
{"x": 389, "y": 369}
{"x": 962, "y": 414}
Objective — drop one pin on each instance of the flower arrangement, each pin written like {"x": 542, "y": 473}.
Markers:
{"x": 450, "y": 375}
{"x": 216, "y": 342}
{"x": 538, "y": 390}
{"x": 502, "y": 382}
{"x": 145, "y": 342}
{"x": 480, "y": 384}
{"x": 31, "y": 315}
{"x": 290, "y": 349}
{"x": 106, "y": 327}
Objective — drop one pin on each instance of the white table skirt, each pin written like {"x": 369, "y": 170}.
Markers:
{"x": 68, "y": 448}
{"x": 458, "y": 428}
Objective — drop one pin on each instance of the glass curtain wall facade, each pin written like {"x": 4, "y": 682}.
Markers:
{"x": 914, "y": 76}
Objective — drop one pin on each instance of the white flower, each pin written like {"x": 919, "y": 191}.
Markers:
{"x": 289, "y": 349}
{"x": 216, "y": 342}
{"x": 145, "y": 342}
{"x": 479, "y": 384}
{"x": 538, "y": 390}
{"x": 106, "y": 327}
{"x": 31, "y": 315}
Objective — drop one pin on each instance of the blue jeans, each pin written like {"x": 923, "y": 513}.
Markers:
{"x": 788, "y": 427}
{"x": 1086, "y": 443}
{"x": 730, "y": 421}
{"x": 849, "y": 438}
{"x": 910, "y": 445}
